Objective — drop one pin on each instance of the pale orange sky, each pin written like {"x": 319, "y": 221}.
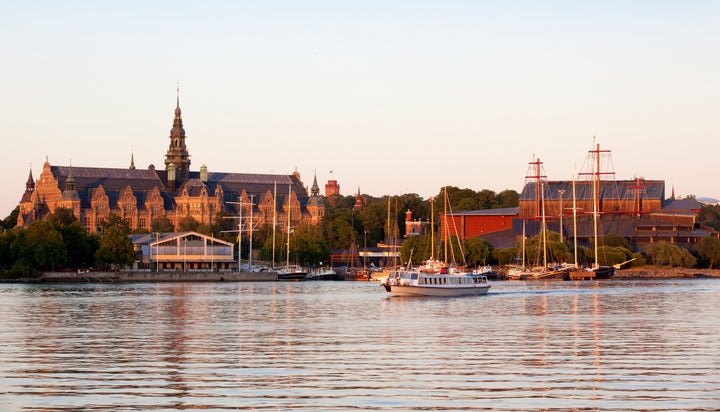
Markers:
{"x": 393, "y": 97}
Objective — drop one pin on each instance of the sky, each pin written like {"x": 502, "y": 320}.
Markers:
{"x": 386, "y": 97}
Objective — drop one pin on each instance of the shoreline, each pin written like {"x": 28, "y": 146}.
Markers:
{"x": 664, "y": 272}
{"x": 643, "y": 272}
{"x": 147, "y": 277}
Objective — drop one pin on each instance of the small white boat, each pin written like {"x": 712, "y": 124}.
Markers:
{"x": 417, "y": 283}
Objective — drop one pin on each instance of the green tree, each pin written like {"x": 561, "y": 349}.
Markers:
{"x": 266, "y": 251}
{"x": 709, "y": 215}
{"x": 667, "y": 254}
{"x": 44, "y": 247}
{"x": 556, "y": 250}
{"x": 507, "y": 198}
{"x": 616, "y": 240}
{"x": 487, "y": 199}
{"x": 373, "y": 219}
{"x": 162, "y": 224}
{"x": 585, "y": 256}
{"x": 115, "y": 249}
{"x": 416, "y": 247}
{"x": 478, "y": 251}
{"x": 188, "y": 224}
{"x": 338, "y": 228}
{"x": 504, "y": 256}
{"x": 455, "y": 251}
{"x": 639, "y": 260}
{"x": 7, "y": 257}
{"x": 80, "y": 245}
{"x": 708, "y": 248}
{"x": 62, "y": 216}
{"x": 114, "y": 220}
{"x": 309, "y": 246}
{"x": 613, "y": 255}
{"x": 11, "y": 220}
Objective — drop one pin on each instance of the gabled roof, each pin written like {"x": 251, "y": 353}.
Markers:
{"x": 682, "y": 205}
{"x": 111, "y": 179}
{"x": 615, "y": 189}
{"x": 158, "y": 238}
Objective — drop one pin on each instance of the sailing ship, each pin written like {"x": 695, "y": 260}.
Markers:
{"x": 545, "y": 271}
{"x": 596, "y": 271}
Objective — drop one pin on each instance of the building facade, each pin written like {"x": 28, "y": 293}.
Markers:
{"x": 141, "y": 197}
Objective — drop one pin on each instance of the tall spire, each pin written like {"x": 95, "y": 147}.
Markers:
{"x": 177, "y": 152}
{"x": 30, "y": 184}
{"x": 29, "y": 188}
{"x": 132, "y": 160}
{"x": 70, "y": 193}
{"x": 315, "y": 189}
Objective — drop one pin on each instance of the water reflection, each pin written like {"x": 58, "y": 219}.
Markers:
{"x": 345, "y": 345}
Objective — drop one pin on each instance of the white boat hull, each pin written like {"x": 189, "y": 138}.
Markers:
{"x": 436, "y": 290}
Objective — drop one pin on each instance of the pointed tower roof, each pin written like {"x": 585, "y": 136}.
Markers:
{"x": 70, "y": 193}
{"x": 177, "y": 129}
{"x": 132, "y": 161}
{"x": 315, "y": 199}
{"x": 29, "y": 188}
{"x": 177, "y": 152}
{"x": 30, "y": 184}
{"x": 315, "y": 189}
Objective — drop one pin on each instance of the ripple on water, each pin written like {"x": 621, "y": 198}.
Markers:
{"x": 622, "y": 345}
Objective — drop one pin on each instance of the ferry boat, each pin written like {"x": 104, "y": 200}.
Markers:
{"x": 444, "y": 283}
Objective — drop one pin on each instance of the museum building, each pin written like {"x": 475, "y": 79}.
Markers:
{"x": 140, "y": 197}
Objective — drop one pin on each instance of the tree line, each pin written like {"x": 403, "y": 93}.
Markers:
{"x": 62, "y": 243}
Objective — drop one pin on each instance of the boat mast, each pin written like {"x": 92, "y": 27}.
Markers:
{"x": 544, "y": 231}
{"x": 574, "y": 218}
{"x": 251, "y": 229}
{"x": 594, "y": 157}
{"x": 536, "y": 166}
{"x": 240, "y": 232}
{"x": 432, "y": 228}
{"x": 596, "y": 182}
{"x": 445, "y": 228}
{"x": 274, "y": 221}
{"x": 523, "y": 246}
{"x": 287, "y": 259}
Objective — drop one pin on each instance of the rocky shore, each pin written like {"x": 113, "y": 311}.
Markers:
{"x": 665, "y": 272}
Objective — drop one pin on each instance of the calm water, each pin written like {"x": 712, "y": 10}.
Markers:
{"x": 618, "y": 345}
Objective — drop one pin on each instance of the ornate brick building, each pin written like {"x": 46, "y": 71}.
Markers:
{"x": 141, "y": 196}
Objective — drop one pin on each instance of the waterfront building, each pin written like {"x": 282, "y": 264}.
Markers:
{"x": 141, "y": 197}
{"x": 182, "y": 252}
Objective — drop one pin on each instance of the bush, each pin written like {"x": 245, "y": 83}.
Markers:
{"x": 19, "y": 271}
{"x": 667, "y": 254}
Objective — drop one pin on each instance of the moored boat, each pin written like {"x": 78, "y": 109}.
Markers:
{"x": 291, "y": 272}
{"x": 323, "y": 274}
